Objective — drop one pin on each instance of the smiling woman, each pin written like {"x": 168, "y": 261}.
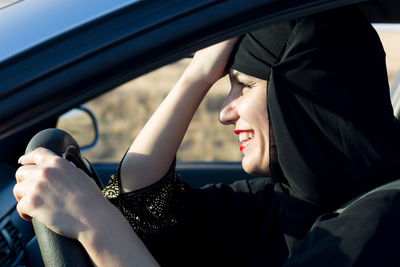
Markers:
{"x": 334, "y": 137}
{"x": 330, "y": 147}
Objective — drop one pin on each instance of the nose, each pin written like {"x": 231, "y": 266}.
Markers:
{"x": 229, "y": 113}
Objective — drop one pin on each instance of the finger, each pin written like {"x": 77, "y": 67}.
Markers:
{"x": 24, "y": 172}
{"x": 19, "y": 191}
{"x": 21, "y": 208}
{"x": 37, "y": 156}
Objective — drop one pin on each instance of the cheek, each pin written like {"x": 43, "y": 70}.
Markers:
{"x": 253, "y": 104}
{"x": 256, "y": 158}
{"x": 262, "y": 157}
{"x": 262, "y": 134}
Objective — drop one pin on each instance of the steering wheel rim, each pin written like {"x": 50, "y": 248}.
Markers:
{"x": 58, "y": 250}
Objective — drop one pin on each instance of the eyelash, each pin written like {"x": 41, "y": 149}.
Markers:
{"x": 245, "y": 85}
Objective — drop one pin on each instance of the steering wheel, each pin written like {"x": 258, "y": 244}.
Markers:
{"x": 59, "y": 250}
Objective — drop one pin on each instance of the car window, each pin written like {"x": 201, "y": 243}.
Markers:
{"x": 390, "y": 36}
{"x": 123, "y": 112}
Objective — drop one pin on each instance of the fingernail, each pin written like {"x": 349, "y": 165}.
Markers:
{"x": 20, "y": 159}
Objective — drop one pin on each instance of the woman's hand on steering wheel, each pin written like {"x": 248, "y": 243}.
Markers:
{"x": 57, "y": 194}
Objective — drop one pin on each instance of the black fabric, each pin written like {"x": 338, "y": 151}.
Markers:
{"x": 256, "y": 52}
{"x": 223, "y": 225}
{"x": 336, "y": 137}
{"x": 364, "y": 234}
{"x": 330, "y": 108}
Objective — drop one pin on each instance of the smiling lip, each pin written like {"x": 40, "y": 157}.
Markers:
{"x": 244, "y": 144}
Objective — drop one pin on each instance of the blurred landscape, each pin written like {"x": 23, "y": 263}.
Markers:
{"x": 391, "y": 44}
{"x": 123, "y": 112}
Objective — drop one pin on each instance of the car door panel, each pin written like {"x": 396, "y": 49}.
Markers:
{"x": 195, "y": 174}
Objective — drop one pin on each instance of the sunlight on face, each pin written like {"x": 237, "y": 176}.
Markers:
{"x": 246, "y": 108}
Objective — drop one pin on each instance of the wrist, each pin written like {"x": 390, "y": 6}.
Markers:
{"x": 112, "y": 242}
{"x": 197, "y": 77}
{"x": 95, "y": 225}
{"x": 98, "y": 238}
{"x": 195, "y": 83}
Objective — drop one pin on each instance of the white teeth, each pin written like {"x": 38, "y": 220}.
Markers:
{"x": 244, "y": 136}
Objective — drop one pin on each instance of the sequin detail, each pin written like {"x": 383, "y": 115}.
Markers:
{"x": 149, "y": 209}
{"x": 112, "y": 189}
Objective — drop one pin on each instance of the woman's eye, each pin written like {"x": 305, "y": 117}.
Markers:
{"x": 244, "y": 85}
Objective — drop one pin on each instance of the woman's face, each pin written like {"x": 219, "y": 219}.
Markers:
{"x": 246, "y": 108}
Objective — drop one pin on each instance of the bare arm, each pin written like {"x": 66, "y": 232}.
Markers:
{"x": 154, "y": 149}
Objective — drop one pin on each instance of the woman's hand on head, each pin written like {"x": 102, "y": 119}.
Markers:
{"x": 209, "y": 64}
{"x": 57, "y": 194}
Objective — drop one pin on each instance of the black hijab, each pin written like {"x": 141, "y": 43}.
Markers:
{"x": 329, "y": 105}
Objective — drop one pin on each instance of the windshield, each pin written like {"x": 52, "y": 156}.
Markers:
{"x": 42, "y": 20}
{"x": 3, "y": 4}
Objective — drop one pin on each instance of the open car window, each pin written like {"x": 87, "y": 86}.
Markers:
{"x": 390, "y": 36}
{"x": 122, "y": 112}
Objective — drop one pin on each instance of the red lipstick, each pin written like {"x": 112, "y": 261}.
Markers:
{"x": 245, "y": 144}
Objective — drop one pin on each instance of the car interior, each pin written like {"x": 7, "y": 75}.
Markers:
{"x": 18, "y": 244}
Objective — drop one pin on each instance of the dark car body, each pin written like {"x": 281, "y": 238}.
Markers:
{"x": 52, "y": 61}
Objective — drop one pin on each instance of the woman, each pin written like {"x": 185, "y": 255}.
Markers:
{"x": 310, "y": 104}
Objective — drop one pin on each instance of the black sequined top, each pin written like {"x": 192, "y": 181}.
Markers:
{"x": 148, "y": 209}
{"x": 211, "y": 226}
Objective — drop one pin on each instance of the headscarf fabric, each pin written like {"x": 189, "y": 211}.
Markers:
{"x": 258, "y": 51}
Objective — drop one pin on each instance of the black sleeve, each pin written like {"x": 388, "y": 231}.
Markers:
{"x": 183, "y": 226}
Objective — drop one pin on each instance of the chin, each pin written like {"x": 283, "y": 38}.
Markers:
{"x": 256, "y": 169}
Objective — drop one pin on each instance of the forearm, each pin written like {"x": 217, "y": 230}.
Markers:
{"x": 154, "y": 149}
{"x": 112, "y": 242}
